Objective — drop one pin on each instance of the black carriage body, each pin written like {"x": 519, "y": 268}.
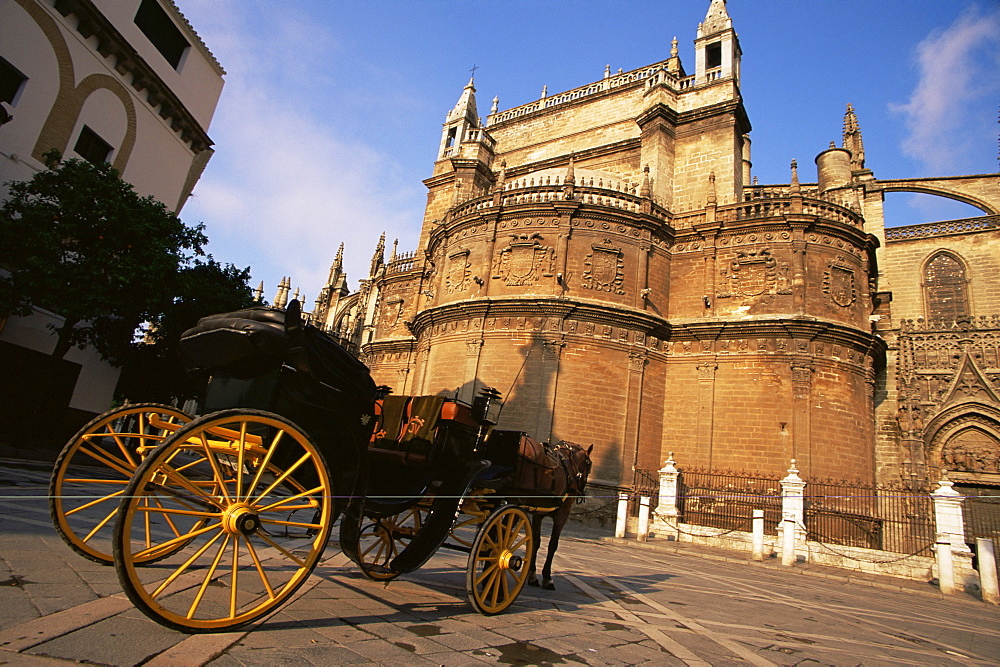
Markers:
{"x": 250, "y": 361}
{"x": 418, "y": 443}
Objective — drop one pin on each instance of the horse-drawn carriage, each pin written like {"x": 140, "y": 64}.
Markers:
{"x": 214, "y": 522}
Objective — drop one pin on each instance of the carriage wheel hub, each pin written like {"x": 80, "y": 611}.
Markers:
{"x": 509, "y": 561}
{"x": 240, "y": 520}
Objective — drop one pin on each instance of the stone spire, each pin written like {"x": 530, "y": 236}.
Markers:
{"x": 645, "y": 190}
{"x": 716, "y": 20}
{"x": 717, "y": 49}
{"x": 674, "y": 65}
{"x": 795, "y": 187}
{"x": 281, "y": 298}
{"x": 712, "y": 197}
{"x": 258, "y": 294}
{"x": 337, "y": 267}
{"x": 462, "y": 126}
{"x": 852, "y": 139}
{"x": 465, "y": 108}
{"x": 378, "y": 259}
{"x": 569, "y": 181}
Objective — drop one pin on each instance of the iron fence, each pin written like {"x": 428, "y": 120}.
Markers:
{"x": 872, "y": 517}
{"x": 982, "y": 519}
{"x": 644, "y": 483}
{"x": 727, "y": 499}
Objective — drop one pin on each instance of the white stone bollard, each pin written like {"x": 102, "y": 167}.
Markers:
{"x": 758, "y": 535}
{"x": 622, "y": 515}
{"x": 948, "y": 516}
{"x": 793, "y": 513}
{"x": 946, "y": 568}
{"x": 666, "y": 509}
{"x": 788, "y": 541}
{"x": 987, "y": 570}
{"x": 643, "y": 518}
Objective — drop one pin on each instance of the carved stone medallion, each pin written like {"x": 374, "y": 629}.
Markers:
{"x": 605, "y": 268}
{"x": 457, "y": 277}
{"x": 751, "y": 274}
{"x": 839, "y": 283}
{"x": 524, "y": 261}
{"x": 392, "y": 309}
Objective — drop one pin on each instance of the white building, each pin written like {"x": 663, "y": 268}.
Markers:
{"x": 122, "y": 81}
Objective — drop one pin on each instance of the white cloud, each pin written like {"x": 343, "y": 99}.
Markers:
{"x": 958, "y": 72}
{"x": 287, "y": 185}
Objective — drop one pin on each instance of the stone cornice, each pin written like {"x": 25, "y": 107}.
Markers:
{"x": 657, "y": 111}
{"x": 540, "y": 306}
{"x": 795, "y": 327}
{"x": 127, "y": 61}
{"x": 389, "y": 345}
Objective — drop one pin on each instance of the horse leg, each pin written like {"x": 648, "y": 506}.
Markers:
{"x": 559, "y": 519}
{"x": 536, "y": 543}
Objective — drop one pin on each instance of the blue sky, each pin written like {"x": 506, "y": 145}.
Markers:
{"x": 332, "y": 110}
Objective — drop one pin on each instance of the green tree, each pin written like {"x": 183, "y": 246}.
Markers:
{"x": 153, "y": 370}
{"x": 79, "y": 241}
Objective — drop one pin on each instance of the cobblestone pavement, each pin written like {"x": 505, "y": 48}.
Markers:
{"x": 616, "y": 604}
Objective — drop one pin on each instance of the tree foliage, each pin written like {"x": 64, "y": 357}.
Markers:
{"x": 78, "y": 241}
{"x": 153, "y": 370}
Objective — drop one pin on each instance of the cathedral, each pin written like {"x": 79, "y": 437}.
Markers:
{"x": 605, "y": 259}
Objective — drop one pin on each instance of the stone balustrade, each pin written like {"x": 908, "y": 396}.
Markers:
{"x": 401, "y": 263}
{"x": 983, "y": 322}
{"x": 622, "y": 195}
{"x": 532, "y": 190}
{"x": 943, "y": 228}
{"x": 608, "y": 83}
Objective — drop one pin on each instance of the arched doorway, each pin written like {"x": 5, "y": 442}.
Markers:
{"x": 971, "y": 459}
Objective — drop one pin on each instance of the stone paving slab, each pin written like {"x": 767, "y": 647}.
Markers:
{"x": 616, "y": 603}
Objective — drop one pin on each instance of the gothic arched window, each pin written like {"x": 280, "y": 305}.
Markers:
{"x": 945, "y": 288}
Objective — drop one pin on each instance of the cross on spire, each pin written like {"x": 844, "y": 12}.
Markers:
{"x": 473, "y": 70}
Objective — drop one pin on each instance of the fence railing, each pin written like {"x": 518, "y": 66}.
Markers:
{"x": 841, "y": 513}
{"x": 982, "y": 519}
{"x": 884, "y": 518}
{"x": 727, "y": 499}
{"x": 915, "y": 532}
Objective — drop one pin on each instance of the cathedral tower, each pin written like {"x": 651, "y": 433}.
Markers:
{"x": 599, "y": 256}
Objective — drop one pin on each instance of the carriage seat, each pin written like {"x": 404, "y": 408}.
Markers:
{"x": 407, "y": 426}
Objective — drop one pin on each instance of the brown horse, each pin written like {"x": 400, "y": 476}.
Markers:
{"x": 572, "y": 473}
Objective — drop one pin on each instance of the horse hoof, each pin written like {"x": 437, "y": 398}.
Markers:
{"x": 533, "y": 582}
{"x": 549, "y": 586}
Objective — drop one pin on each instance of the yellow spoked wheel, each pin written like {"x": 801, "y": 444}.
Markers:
{"x": 382, "y": 540}
{"x": 93, "y": 469}
{"x": 237, "y": 505}
{"x": 497, "y": 564}
{"x": 466, "y": 527}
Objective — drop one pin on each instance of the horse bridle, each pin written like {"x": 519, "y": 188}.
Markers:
{"x": 578, "y": 476}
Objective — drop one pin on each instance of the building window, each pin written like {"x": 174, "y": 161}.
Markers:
{"x": 157, "y": 25}
{"x": 11, "y": 82}
{"x": 91, "y": 147}
{"x": 946, "y": 288}
{"x": 713, "y": 55}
